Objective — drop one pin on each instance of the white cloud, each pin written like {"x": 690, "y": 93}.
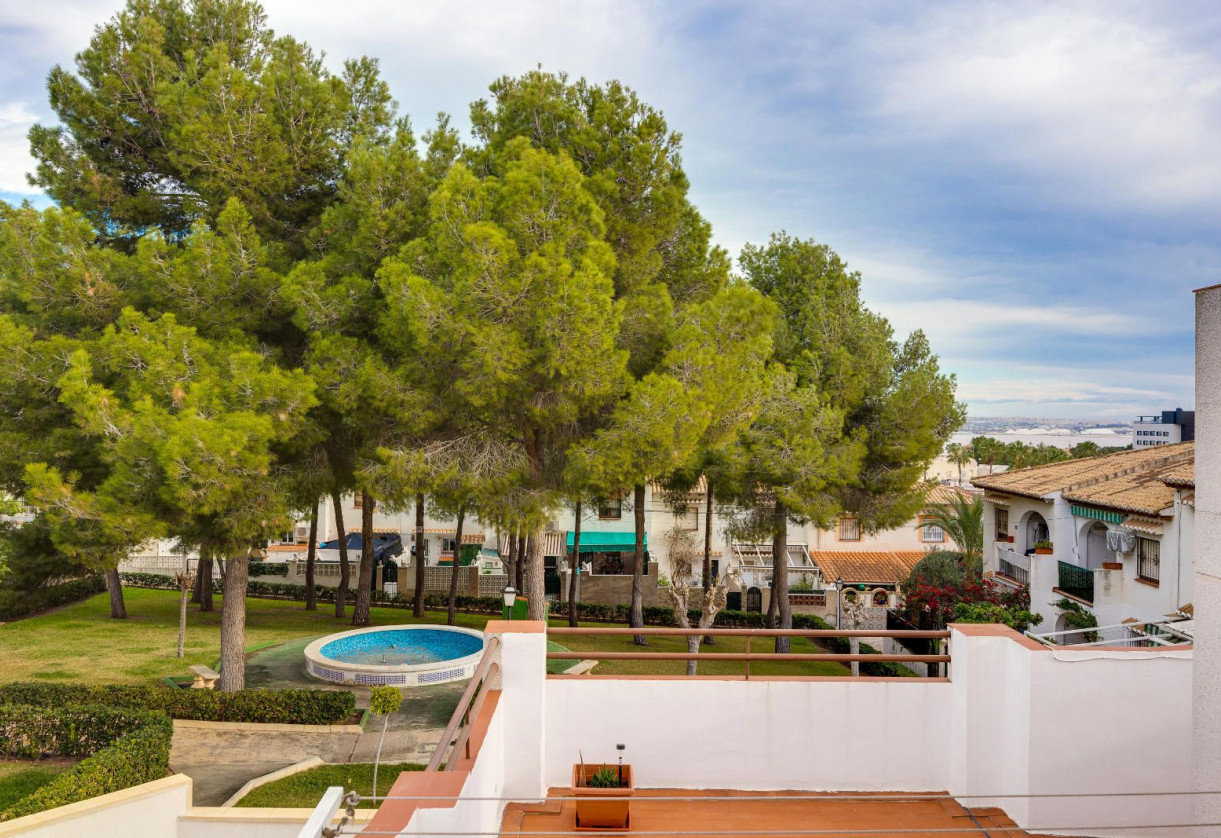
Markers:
{"x": 1096, "y": 106}
{"x": 15, "y": 160}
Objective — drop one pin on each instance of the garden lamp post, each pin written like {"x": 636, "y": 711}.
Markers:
{"x": 839, "y": 589}
{"x": 510, "y": 596}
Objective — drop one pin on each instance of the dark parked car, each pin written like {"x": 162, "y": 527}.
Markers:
{"x": 386, "y": 546}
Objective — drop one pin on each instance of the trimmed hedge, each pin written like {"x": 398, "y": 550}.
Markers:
{"x": 282, "y": 590}
{"x": 122, "y": 748}
{"x": 14, "y": 604}
{"x": 306, "y": 707}
{"x": 268, "y": 568}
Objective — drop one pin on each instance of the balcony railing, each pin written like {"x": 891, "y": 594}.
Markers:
{"x": 1077, "y": 581}
{"x": 1013, "y": 565}
{"x": 747, "y": 656}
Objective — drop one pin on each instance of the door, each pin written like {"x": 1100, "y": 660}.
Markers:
{"x": 754, "y": 600}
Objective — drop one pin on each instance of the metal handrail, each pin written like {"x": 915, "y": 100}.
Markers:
{"x": 462, "y": 713}
{"x": 747, "y": 656}
{"x": 740, "y": 656}
{"x": 755, "y": 632}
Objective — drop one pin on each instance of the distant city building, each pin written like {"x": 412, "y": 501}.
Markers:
{"x": 1167, "y": 428}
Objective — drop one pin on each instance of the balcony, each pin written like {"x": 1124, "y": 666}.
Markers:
{"x": 1012, "y": 565}
{"x": 1077, "y": 582}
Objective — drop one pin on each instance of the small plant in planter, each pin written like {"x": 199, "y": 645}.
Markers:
{"x": 603, "y": 794}
{"x": 1043, "y": 548}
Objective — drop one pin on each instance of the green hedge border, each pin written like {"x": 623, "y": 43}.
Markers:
{"x": 122, "y": 748}
{"x": 17, "y": 604}
{"x": 302, "y": 707}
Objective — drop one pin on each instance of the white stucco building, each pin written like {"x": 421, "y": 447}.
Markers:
{"x": 1112, "y": 534}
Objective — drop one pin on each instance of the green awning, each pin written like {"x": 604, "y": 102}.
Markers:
{"x": 606, "y": 542}
{"x": 1096, "y": 514}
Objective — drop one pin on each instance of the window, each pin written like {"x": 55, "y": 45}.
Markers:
{"x": 1002, "y": 524}
{"x": 687, "y": 519}
{"x": 1149, "y": 553}
{"x": 930, "y": 532}
{"x": 849, "y": 529}
{"x": 447, "y": 545}
{"x": 612, "y": 508}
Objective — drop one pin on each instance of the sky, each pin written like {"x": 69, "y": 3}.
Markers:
{"x": 1035, "y": 185}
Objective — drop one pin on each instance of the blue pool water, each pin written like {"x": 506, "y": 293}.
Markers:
{"x": 399, "y": 646}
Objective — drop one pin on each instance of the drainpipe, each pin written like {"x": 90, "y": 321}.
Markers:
{"x": 1178, "y": 550}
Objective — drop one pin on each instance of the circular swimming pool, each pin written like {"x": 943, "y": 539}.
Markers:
{"x": 403, "y": 656}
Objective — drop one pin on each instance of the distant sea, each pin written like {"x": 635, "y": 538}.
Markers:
{"x": 1061, "y": 439}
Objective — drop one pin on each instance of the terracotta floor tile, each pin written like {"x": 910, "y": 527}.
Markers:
{"x": 653, "y": 810}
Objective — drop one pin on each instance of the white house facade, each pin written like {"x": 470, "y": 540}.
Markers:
{"x": 1111, "y": 534}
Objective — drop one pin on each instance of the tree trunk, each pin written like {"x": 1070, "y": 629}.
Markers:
{"x": 574, "y": 565}
{"x": 537, "y": 609}
{"x": 451, "y": 607}
{"x": 510, "y": 560}
{"x": 182, "y": 619}
{"x": 708, "y": 641}
{"x": 780, "y": 574}
{"x": 637, "y": 613}
{"x": 523, "y": 547}
{"x": 693, "y": 647}
{"x": 233, "y": 626}
{"x": 364, "y": 579}
{"x": 196, "y": 588}
{"x": 341, "y": 592}
{"x": 203, "y": 578}
{"x": 417, "y": 602}
{"x": 114, "y": 584}
{"x": 311, "y": 553}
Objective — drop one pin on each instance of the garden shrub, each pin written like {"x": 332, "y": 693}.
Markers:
{"x": 16, "y": 603}
{"x": 268, "y": 568}
{"x": 310, "y": 707}
{"x": 122, "y": 748}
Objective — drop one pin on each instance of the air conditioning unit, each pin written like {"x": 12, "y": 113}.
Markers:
{"x": 301, "y": 531}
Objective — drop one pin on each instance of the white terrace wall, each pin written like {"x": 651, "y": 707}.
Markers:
{"x": 1107, "y": 731}
{"x": 1014, "y": 719}
{"x": 150, "y": 810}
{"x": 826, "y": 734}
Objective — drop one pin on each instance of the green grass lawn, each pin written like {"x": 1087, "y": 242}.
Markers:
{"x": 82, "y": 643}
{"x": 303, "y": 790}
{"x": 20, "y": 779}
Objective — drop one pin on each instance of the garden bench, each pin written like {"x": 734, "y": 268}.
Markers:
{"x": 205, "y": 677}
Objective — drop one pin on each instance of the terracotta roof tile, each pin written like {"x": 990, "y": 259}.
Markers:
{"x": 1144, "y": 492}
{"x": 940, "y": 495}
{"x": 1039, "y": 481}
{"x": 870, "y": 566}
{"x": 1181, "y": 477}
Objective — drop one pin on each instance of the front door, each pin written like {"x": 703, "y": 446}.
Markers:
{"x": 754, "y": 600}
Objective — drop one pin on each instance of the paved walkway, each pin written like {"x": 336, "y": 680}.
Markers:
{"x": 221, "y": 761}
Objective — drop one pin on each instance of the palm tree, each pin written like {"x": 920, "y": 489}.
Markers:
{"x": 959, "y": 455}
{"x": 962, "y": 519}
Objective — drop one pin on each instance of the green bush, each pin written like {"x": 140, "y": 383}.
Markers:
{"x": 122, "y": 748}
{"x": 310, "y": 707}
{"x": 14, "y": 604}
{"x": 30, "y": 732}
{"x": 268, "y": 568}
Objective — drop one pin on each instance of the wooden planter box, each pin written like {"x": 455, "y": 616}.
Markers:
{"x": 602, "y": 808}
